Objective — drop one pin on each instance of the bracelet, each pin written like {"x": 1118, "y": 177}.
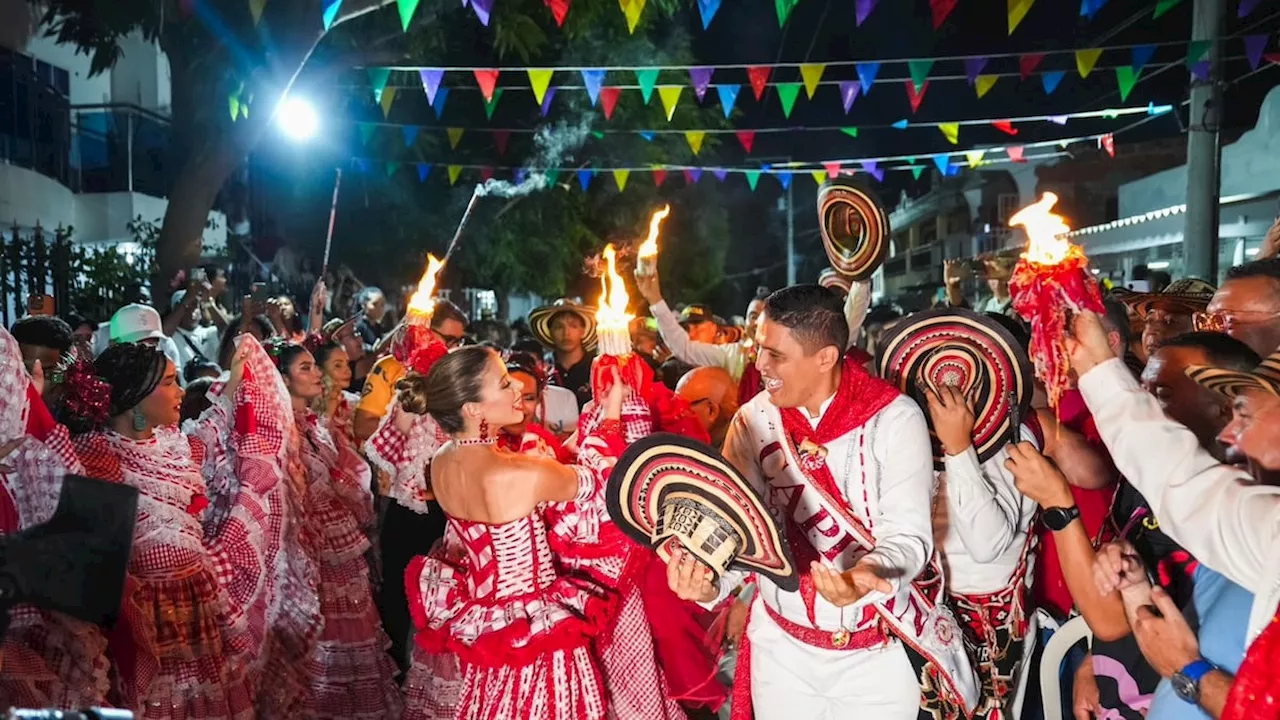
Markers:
{"x": 610, "y": 426}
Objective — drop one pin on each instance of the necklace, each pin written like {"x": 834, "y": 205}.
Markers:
{"x": 482, "y": 440}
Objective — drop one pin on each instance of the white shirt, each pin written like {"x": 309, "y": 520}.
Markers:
{"x": 561, "y": 408}
{"x": 1208, "y": 508}
{"x": 203, "y": 339}
{"x": 698, "y": 354}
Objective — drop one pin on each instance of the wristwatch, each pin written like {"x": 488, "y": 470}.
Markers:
{"x": 1186, "y": 682}
{"x": 1058, "y": 518}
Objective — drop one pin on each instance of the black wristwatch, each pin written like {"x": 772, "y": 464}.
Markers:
{"x": 1058, "y": 518}
{"x": 1186, "y": 682}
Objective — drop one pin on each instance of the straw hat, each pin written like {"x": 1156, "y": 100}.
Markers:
{"x": 540, "y": 322}
{"x": 1233, "y": 382}
{"x": 854, "y": 227}
{"x": 1187, "y": 295}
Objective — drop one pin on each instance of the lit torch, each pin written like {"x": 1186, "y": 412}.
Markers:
{"x": 422, "y": 301}
{"x": 647, "y": 254}
{"x": 613, "y": 322}
{"x": 1050, "y": 283}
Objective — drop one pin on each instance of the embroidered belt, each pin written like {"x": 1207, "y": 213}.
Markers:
{"x": 830, "y": 640}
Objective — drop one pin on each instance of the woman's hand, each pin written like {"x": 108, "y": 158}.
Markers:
{"x": 952, "y": 415}
{"x": 237, "y": 369}
{"x": 402, "y": 419}
{"x": 689, "y": 579}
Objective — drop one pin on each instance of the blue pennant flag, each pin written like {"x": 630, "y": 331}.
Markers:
{"x": 520, "y": 175}
{"x": 728, "y": 96}
{"x": 361, "y": 164}
{"x": 648, "y": 136}
{"x": 784, "y": 178}
{"x": 593, "y": 79}
{"x": 1050, "y": 80}
{"x": 1141, "y": 55}
{"x": 943, "y": 162}
{"x": 424, "y": 169}
{"x": 707, "y": 8}
{"x": 900, "y": 125}
{"x": 410, "y": 134}
{"x": 442, "y": 96}
{"x": 867, "y": 74}
{"x": 584, "y": 177}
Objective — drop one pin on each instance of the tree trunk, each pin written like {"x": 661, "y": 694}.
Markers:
{"x": 191, "y": 198}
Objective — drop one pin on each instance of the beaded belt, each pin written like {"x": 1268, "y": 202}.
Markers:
{"x": 829, "y": 640}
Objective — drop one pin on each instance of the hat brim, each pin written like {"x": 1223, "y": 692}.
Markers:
{"x": 854, "y": 227}
{"x": 968, "y": 351}
{"x": 661, "y": 466}
{"x": 1143, "y": 303}
{"x": 831, "y": 279}
{"x": 1232, "y": 383}
{"x": 540, "y": 323}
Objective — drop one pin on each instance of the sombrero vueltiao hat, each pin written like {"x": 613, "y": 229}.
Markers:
{"x": 1187, "y": 295}
{"x": 855, "y": 229}
{"x": 969, "y": 352}
{"x": 1231, "y": 383}
{"x": 668, "y": 491}
{"x": 540, "y": 322}
{"x": 833, "y": 280}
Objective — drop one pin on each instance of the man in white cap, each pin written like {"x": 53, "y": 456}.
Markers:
{"x": 193, "y": 340}
{"x": 138, "y": 323}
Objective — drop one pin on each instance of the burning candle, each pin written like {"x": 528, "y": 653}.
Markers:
{"x": 647, "y": 254}
{"x": 1050, "y": 283}
{"x": 613, "y": 322}
{"x": 421, "y": 303}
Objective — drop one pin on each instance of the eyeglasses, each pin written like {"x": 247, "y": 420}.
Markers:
{"x": 1224, "y": 320}
{"x": 452, "y": 341}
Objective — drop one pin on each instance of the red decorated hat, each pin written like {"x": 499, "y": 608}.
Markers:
{"x": 855, "y": 229}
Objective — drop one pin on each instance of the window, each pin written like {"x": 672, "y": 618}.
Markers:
{"x": 1007, "y": 205}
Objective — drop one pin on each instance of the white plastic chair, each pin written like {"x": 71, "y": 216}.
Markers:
{"x": 1055, "y": 651}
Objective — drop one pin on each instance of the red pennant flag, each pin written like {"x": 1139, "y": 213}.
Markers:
{"x": 690, "y": 178}
{"x": 559, "y": 9}
{"x": 488, "y": 80}
{"x": 1109, "y": 144}
{"x": 759, "y": 77}
{"x": 1015, "y": 153}
{"x": 1271, "y": 57}
{"x": 833, "y": 169}
{"x": 916, "y": 96}
{"x": 1005, "y": 127}
{"x": 747, "y": 138}
{"x": 1027, "y": 64}
{"x": 659, "y": 177}
{"x": 609, "y": 100}
{"x": 500, "y": 139}
{"x": 486, "y": 173}
{"x": 941, "y": 9}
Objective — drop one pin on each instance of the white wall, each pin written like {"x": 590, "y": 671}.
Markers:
{"x": 85, "y": 90}
{"x": 27, "y": 197}
{"x": 140, "y": 77}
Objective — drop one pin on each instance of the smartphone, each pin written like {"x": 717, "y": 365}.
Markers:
{"x": 259, "y": 292}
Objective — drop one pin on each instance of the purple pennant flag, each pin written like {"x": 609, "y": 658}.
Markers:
{"x": 1200, "y": 71}
{"x": 863, "y": 8}
{"x": 708, "y": 9}
{"x": 431, "y": 78}
{"x": 593, "y": 79}
{"x": 521, "y": 174}
{"x": 873, "y": 168}
{"x": 442, "y": 96}
{"x": 1246, "y": 7}
{"x": 973, "y": 68}
{"x": 482, "y": 9}
{"x": 464, "y": 2}
{"x": 1058, "y": 119}
{"x": 694, "y": 175}
{"x": 784, "y": 178}
{"x": 701, "y": 77}
{"x": 1254, "y": 46}
{"x": 720, "y": 174}
{"x": 546, "y": 100}
{"x": 849, "y": 92}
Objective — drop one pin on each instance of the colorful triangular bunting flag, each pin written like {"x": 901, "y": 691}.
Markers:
{"x": 728, "y": 96}
{"x": 431, "y": 82}
{"x": 720, "y": 174}
{"x": 366, "y": 132}
{"x": 784, "y": 8}
{"x": 647, "y": 77}
{"x": 811, "y": 73}
{"x": 753, "y": 178}
{"x": 455, "y": 136}
{"x": 659, "y": 177}
{"x": 483, "y": 9}
{"x": 941, "y": 9}
{"x": 1254, "y": 46}
{"x": 1085, "y": 60}
{"x": 539, "y": 80}
{"x": 388, "y": 97}
{"x": 670, "y": 96}
{"x": 759, "y": 77}
{"x": 820, "y": 176}
{"x": 867, "y": 74}
{"x": 442, "y": 97}
{"x": 584, "y": 178}
{"x": 620, "y": 178}
{"x": 1141, "y": 55}
{"x": 707, "y": 9}
{"x": 330, "y": 12}
{"x": 974, "y": 157}
{"x": 695, "y": 138}
{"x": 701, "y": 77}
{"x": 424, "y": 169}
{"x": 692, "y": 175}
{"x": 916, "y": 93}
{"x": 1108, "y": 143}
{"x": 559, "y": 9}
{"x": 454, "y": 172}
{"x": 863, "y": 8}
{"x": 951, "y": 131}
{"x": 609, "y": 100}
{"x": 632, "y": 9}
{"x": 406, "y": 8}
{"x": 492, "y": 104}
{"x": 916, "y": 170}
{"x": 899, "y": 125}
{"x": 747, "y": 138}
{"x": 1027, "y": 64}
{"x": 849, "y": 92}
{"x": 1005, "y": 127}
{"x": 1015, "y": 153}
{"x": 410, "y": 133}
{"x": 593, "y": 80}
{"x": 850, "y": 131}
{"x": 1051, "y": 80}
{"x": 873, "y": 168}
{"x": 787, "y": 94}
{"x": 1018, "y": 10}
{"x": 1126, "y": 78}
{"x": 547, "y": 100}
{"x": 919, "y": 70}
{"x": 1163, "y": 7}
{"x": 973, "y": 67}
{"x": 378, "y": 77}
{"x": 985, "y": 83}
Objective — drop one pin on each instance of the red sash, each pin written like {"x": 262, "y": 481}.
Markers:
{"x": 1255, "y": 695}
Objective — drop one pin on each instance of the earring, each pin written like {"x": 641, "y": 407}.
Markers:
{"x": 484, "y": 429}
{"x": 139, "y": 420}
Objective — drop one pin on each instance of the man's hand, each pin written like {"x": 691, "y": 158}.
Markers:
{"x": 689, "y": 579}
{"x": 1087, "y": 344}
{"x": 848, "y": 587}
{"x": 1270, "y": 243}
{"x": 1037, "y": 478}
{"x": 1165, "y": 639}
{"x": 1086, "y": 701}
{"x": 952, "y": 415}
{"x": 1117, "y": 566}
{"x": 319, "y": 296}
{"x": 952, "y": 271}
{"x": 650, "y": 288}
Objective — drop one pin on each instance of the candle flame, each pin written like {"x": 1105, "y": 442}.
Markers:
{"x": 649, "y": 248}
{"x": 614, "y": 299}
{"x": 421, "y": 302}
{"x": 1046, "y": 232}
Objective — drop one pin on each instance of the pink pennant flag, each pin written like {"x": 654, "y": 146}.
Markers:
{"x": 1015, "y": 153}
{"x": 1108, "y": 143}
{"x": 833, "y": 169}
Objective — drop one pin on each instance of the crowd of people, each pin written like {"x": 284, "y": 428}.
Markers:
{"x": 343, "y": 514}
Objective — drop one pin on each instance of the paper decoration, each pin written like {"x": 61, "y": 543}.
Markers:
{"x": 873, "y": 168}
{"x": 916, "y": 94}
{"x": 388, "y": 97}
{"x": 1051, "y": 80}
{"x": 951, "y": 131}
{"x": 863, "y": 8}
{"x": 1126, "y": 77}
{"x": 648, "y": 136}
{"x": 539, "y": 80}
{"x": 867, "y": 74}
{"x": 410, "y": 133}
{"x": 784, "y": 8}
{"x": 255, "y": 9}
{"x": 833, "y": 169}
{"x": 916, "y": 170}
{"x": 1058, "y": 119}
{"x": 361, "y": 164}
{"x": 787, "y": 94}
{"x": 366, "y": 132}
{"x": 492, "y": 104}
{"x": 659, "y": 177}
{"x": 975, "y": 157}
{"x": 1015, "y": 153}
{"x": 701, "y": 78}
{"x": 819, "y": 176}
{"x": 546, "y": 101}
{"x": 424, "y": 169}
{"x": 941, "y": 9}
{"x": 486, "y": 172}
{"x": 1246, "y": 7}
{"x": 430, "y": 83}
{"x": 593, "y": 80}
{"x": 1196, "y": 50}
{"x": 1085, "y": 60}
{"x": 1163, "y": 7}
{"x": 692, "y": 175}
{"x": 442, "y": 96}
{"x": 944, "y": 164}
{"x": 1140, "y": 56}
{"x": 1005, "y": 127}
{"x": 747, "y": 138}
{"x": 330, "y": 13}
{"x": 406, "y": 8}
{"x": 720, "y": 174}
{"x": 609, "y": 100}
{"x": 233, "y": 105}
{"x": 482, "y": 8}
{"x": 1089, "y": 8}
{"x": 985, "y": 83}
{"x": 753, "y": 178}
{"x": 620, "y": 179}
{"x": 1018, "y": 10}
{"x": 759, "y": 77}
{"x": 378, "y": 78}
{"x": 919, "y": 70}
{"x": 455, "y": 136}
{"x": 899, "y": 125}
{"x": 1108, "y": 143}
{"x": 695, "y": 138}
{"x": 1254, "y": 46}
{"x": 584, "y": 178}
{"x": 392, "y": 167}
{"x": 849, "y": 92}
{"x": 850, "y": 131}
{"x": 553, "y": 175}
{"x": 559, "y": 9}
{"x": 632, "y": 9}
{"x": 784, "y": 178}
{"x": 454, "y": 172}
{"x": 728, "y": 96}
{"x": 1273, "y": 58}
{"x": 973, "y": 67}
{"x": 670, "y": 96}
{"x": 811, "y": 73}
{"x": 647, "y": 77}
{"x": 707, "y": 9}
{"x": 500, "y": 140}
{"x": 1200, "y": 71}
{"x": 1027, "y": 64}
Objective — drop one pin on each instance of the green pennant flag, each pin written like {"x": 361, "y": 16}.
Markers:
{"x": 784, "y": 8}
{"x": 1163, "y": 7}
{"x": 753, "y": 178}
{"x": 597, "y": 134}
{"x": 406, "y": 8}
{"x": 392, "y": 167}
{"x": 1196, "y": 50}
{"x": 378, "y": 77}
{"x": 850, "y": 131}
{"x": 492, "y": 104}
{"x": 919, "y": 72}
{"x": 233, "y": 104}
{"x": 916, "y": 170}
{"x": 1126, "y": 77}
{"x": 366, "y": 132}
{"x": 647, "y": 77}
{"x": 552, "y": 176}
{"x": 787, "y": 94}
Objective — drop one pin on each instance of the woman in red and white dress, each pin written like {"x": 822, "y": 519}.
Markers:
{"x": 499, "y": 597}
{"x": 352, "y": 675}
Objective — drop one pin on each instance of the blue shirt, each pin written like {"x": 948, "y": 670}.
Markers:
{"x": 1223, "y": 608}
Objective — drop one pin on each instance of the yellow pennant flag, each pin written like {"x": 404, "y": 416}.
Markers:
{"x": 255, "y": 9}
{"x": 539, "y": 80}
{"x": 819, "y": 176}
{"x": 670, "y": 95}
{"x": 454, "y": 172}
{"x": 632, "y": 9}
{"x": 811, "y": 73}
{"x": 388, "y": 97}
{"x": 951, "y": 131}
{"x": 1085, "y": 60}
{"x": 620, "y": 177}
{"x": 975, "y": 157}
{"x": 984, "y": 83}
{"x": 1018, "y": 10}
{"x": 695, "y": 138}
{"x": 455, "y": 135}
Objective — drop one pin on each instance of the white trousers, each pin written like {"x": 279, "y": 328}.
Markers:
{"x": 791, "y": 680}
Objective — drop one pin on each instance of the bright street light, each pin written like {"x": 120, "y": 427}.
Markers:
{"x": 297, "y": 119}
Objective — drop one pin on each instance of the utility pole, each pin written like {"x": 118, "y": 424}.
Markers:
{"x": 1204, "y": 151}
{"x": 791, "y": 234}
